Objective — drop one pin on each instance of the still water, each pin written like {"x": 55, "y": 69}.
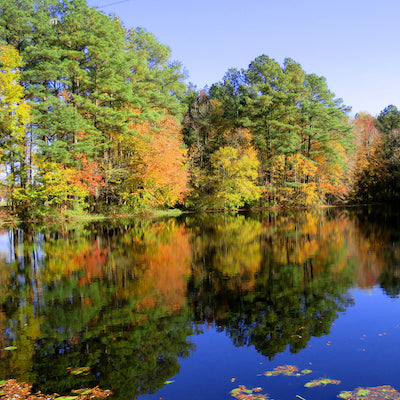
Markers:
{"x": 205, "y": 306}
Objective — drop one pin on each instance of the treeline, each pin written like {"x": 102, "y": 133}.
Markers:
{"x": 96, "y": 116}
{"x": 375, "y": 163}
{"x": 90, "y": 110}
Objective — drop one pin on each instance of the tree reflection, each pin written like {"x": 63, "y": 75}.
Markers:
{"x": 121, "y": 298}
{"x": 300, "y": 278}
{"x": 378, "y": 227}
{"x": 115, "y": 303}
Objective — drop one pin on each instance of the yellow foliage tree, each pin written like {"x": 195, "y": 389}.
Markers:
{"x": 14, "y": 117}
{"x": 233, "y": 178}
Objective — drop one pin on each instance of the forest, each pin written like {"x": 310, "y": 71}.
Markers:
{"x": 96, "y": 118}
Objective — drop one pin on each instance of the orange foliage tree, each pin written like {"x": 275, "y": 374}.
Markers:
{"x": 156, "y": 163}
{"x": 368, "y": 166}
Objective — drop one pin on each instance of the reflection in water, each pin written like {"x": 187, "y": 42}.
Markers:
{"x": 378, "y": 247}
{"x": 123, "y": 299}
{"x": 109, "y": 298}
{"x": 298, "y": 286}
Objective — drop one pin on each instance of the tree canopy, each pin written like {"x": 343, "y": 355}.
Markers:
{"x": 96, "y": 116}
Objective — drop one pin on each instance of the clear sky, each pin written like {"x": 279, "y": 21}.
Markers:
{"x": 355, "y": 44}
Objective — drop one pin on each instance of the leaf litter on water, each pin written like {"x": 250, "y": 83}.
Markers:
{"x": 385, "y": 392}
{"x": 322, "y": 382}
{"x": 242, "y": 393}
{"x": 288, "y": 370}
{"x": 12, "y": 389}
{"x": 79, "y": 370}
{"x": 10, "y": 348}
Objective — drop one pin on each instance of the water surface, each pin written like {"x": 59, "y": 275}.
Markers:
{"x": 191, "y": 308}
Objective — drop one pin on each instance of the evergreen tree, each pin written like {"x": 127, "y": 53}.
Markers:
{"x": 388, "y": 119}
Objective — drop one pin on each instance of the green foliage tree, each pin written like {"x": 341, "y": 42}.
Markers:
{"x": 388, "y": 119}
{"x": 88, "y": 79}
{"x": 323, "y": 119}
{"x": 272, "y": 106}
{"x": 298, "y": 127}
{"x": 231, "y": 94}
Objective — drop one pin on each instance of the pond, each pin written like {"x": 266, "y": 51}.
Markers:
{"x": 262, "y": 305}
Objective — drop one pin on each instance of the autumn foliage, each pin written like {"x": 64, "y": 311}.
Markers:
{"x": 106, "y": 123}
{"x": 159, "y": 173}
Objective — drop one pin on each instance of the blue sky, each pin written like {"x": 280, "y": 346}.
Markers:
{"x": 354, "y": 44}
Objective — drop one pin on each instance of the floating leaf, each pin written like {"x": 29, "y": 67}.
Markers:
{"x": 321, "y": 382}
{"x": 306, "y": 371}
{"x": 79, "y": 371}
{"x": 288, "y": 370}
{"x": 82, "y": 392}
{"x": 12, "y": 389}
{"x": 385, "y": 392}
{"x": 168, "y": 382}
{"x": 242, "y": 393}
{"x": 363, "y": 392}
{"x": 66, "y": 398}
{"x": 10, "y": 348}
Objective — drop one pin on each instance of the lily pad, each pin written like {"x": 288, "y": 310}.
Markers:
{"x": 385, "y": 392}
{"x": 321, "y": 382}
